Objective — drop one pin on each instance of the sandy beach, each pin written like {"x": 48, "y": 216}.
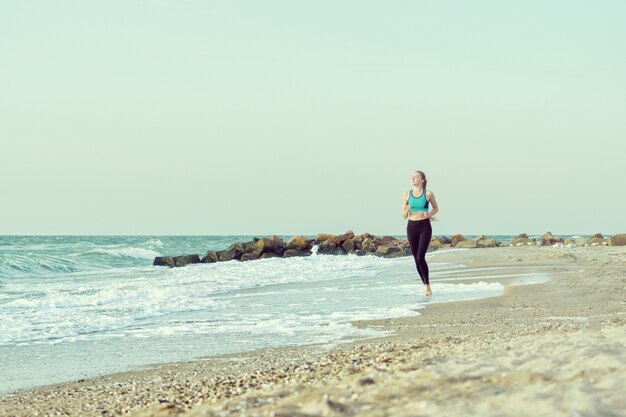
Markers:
{"x": 556, "y": 348}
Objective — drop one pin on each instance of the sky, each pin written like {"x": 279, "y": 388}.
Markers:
{"x": 281, "y": 117}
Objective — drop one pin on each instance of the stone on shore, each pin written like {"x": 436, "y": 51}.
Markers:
{"x": 289, "y": 253}
{"x": 173, "y": 261}
{"x": 210, "y": 257}
{"x": 456, "y": 239}
{"x": 300, "y": 243}
{"x": 617, "y": 240}
{"x": 487, "y": 243}
{"x": 164, "y": 261}
{"x": 471, "y": 243}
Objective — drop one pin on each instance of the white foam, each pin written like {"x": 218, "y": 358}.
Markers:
{"x": 128, "y": 252}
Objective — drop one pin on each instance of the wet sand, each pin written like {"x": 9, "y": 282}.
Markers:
{"x": 556, "y": 348}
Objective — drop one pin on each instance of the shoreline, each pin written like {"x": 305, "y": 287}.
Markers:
{"x": 320, "y": 347}
{"x": 522, "y": 311}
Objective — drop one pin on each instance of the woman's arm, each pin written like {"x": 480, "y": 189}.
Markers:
{"x": 431, "y": 198}
{"x": 405, "y": 205}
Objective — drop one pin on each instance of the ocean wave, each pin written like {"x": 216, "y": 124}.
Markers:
{"x": 128, "y": 252}
{"x": 35, "y": 264}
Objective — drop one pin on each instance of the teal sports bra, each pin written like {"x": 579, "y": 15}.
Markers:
{"x": 418, "y": 204}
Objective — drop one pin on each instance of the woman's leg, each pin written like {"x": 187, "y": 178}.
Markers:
{"x": 425, "y": 233}
{"x": 413, "y": 236}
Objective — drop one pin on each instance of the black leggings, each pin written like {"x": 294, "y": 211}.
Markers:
{"x": 419, "y": 233}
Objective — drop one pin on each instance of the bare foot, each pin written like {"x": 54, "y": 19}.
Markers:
{"x": 428, "y": 291}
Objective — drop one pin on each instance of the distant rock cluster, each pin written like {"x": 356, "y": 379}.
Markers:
{"x": 367, "y": 244}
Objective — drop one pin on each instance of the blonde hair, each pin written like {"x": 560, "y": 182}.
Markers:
{"x": 424, "y": 180}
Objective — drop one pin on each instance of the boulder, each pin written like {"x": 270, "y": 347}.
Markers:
{"x": 300, "y": 243}
{"x": 256, "y": 248}
{"x": 321, "y": 237}
{"x": 547, "y": 239}
{"x": 438, "y": 241}
{"x": 368, "y": 245}
{"x": 248, "y": 256}
{"x": 389, "y": 251}
{"x": 234, "y": 251}
{"x": 271, "y": 255}
{"x": 389, "y": 239}
{"x": 596, "y": 235}
{"x": 210, "y": 257}
{"x": 479, "y": 238}
{"x": 348, "y": 245}
{"x": 294, "y": 252}
{"x": 327, "y": 247}
{"x": 456, "y": 239}
{"x": 446, "y": 239}
{"x": 617, "y": 240}
{"x": 467, "y": 244}
{"x": 596, "y": 241}
{"x": 486, "y": 243}
{"x": 186, "y": 259}
{"x": 342, "y": 238}
{"x": 519, "y": 241}
{"x": 580, "y": 241}
{"x": 164, "y": 261}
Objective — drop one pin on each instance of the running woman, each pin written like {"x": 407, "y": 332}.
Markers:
{"x": 415, "y": 206}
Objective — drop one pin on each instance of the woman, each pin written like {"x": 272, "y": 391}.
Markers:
{"x": 418, "y": 229}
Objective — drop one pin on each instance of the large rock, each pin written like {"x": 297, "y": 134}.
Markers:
{"x": 329, "y": 247}
{"x": 255, "y": 249}
{"x": 390, "y": 239}
{"x": 172, "y": 261}
{"x": 271, "y": 255}
{"x": 164, "y": 261}
{"x": 455, "y": 239}
{"x": 210, "y": 257}
{"x": 580, "y": 241}
{"x": 486, "y": 243}
{"x": 617, "y": 240}
{"x": 234, "y": 251}
{"x": 289, "y": 253}
{"x": 249, "y": 256}
{"x": 519, "y": 241}
{"x": 321, "y": 237}
{"x": 471, "y": 243}
{"x": 547, "y": 239}
{"x": 389, "y": 251}
{"x": 300, "y": 243}
{"x": 342, "y": 238}
{"x": 596, "y": 241}
{"x": 368, "y": 245}
{"x": 348, "y": 245}
{"x": 596, "y": 235}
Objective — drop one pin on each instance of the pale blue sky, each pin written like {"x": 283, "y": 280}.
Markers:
{"x": 250, "y": 117}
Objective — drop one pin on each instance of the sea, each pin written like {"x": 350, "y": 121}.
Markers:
{"x": 76, "y": 307}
